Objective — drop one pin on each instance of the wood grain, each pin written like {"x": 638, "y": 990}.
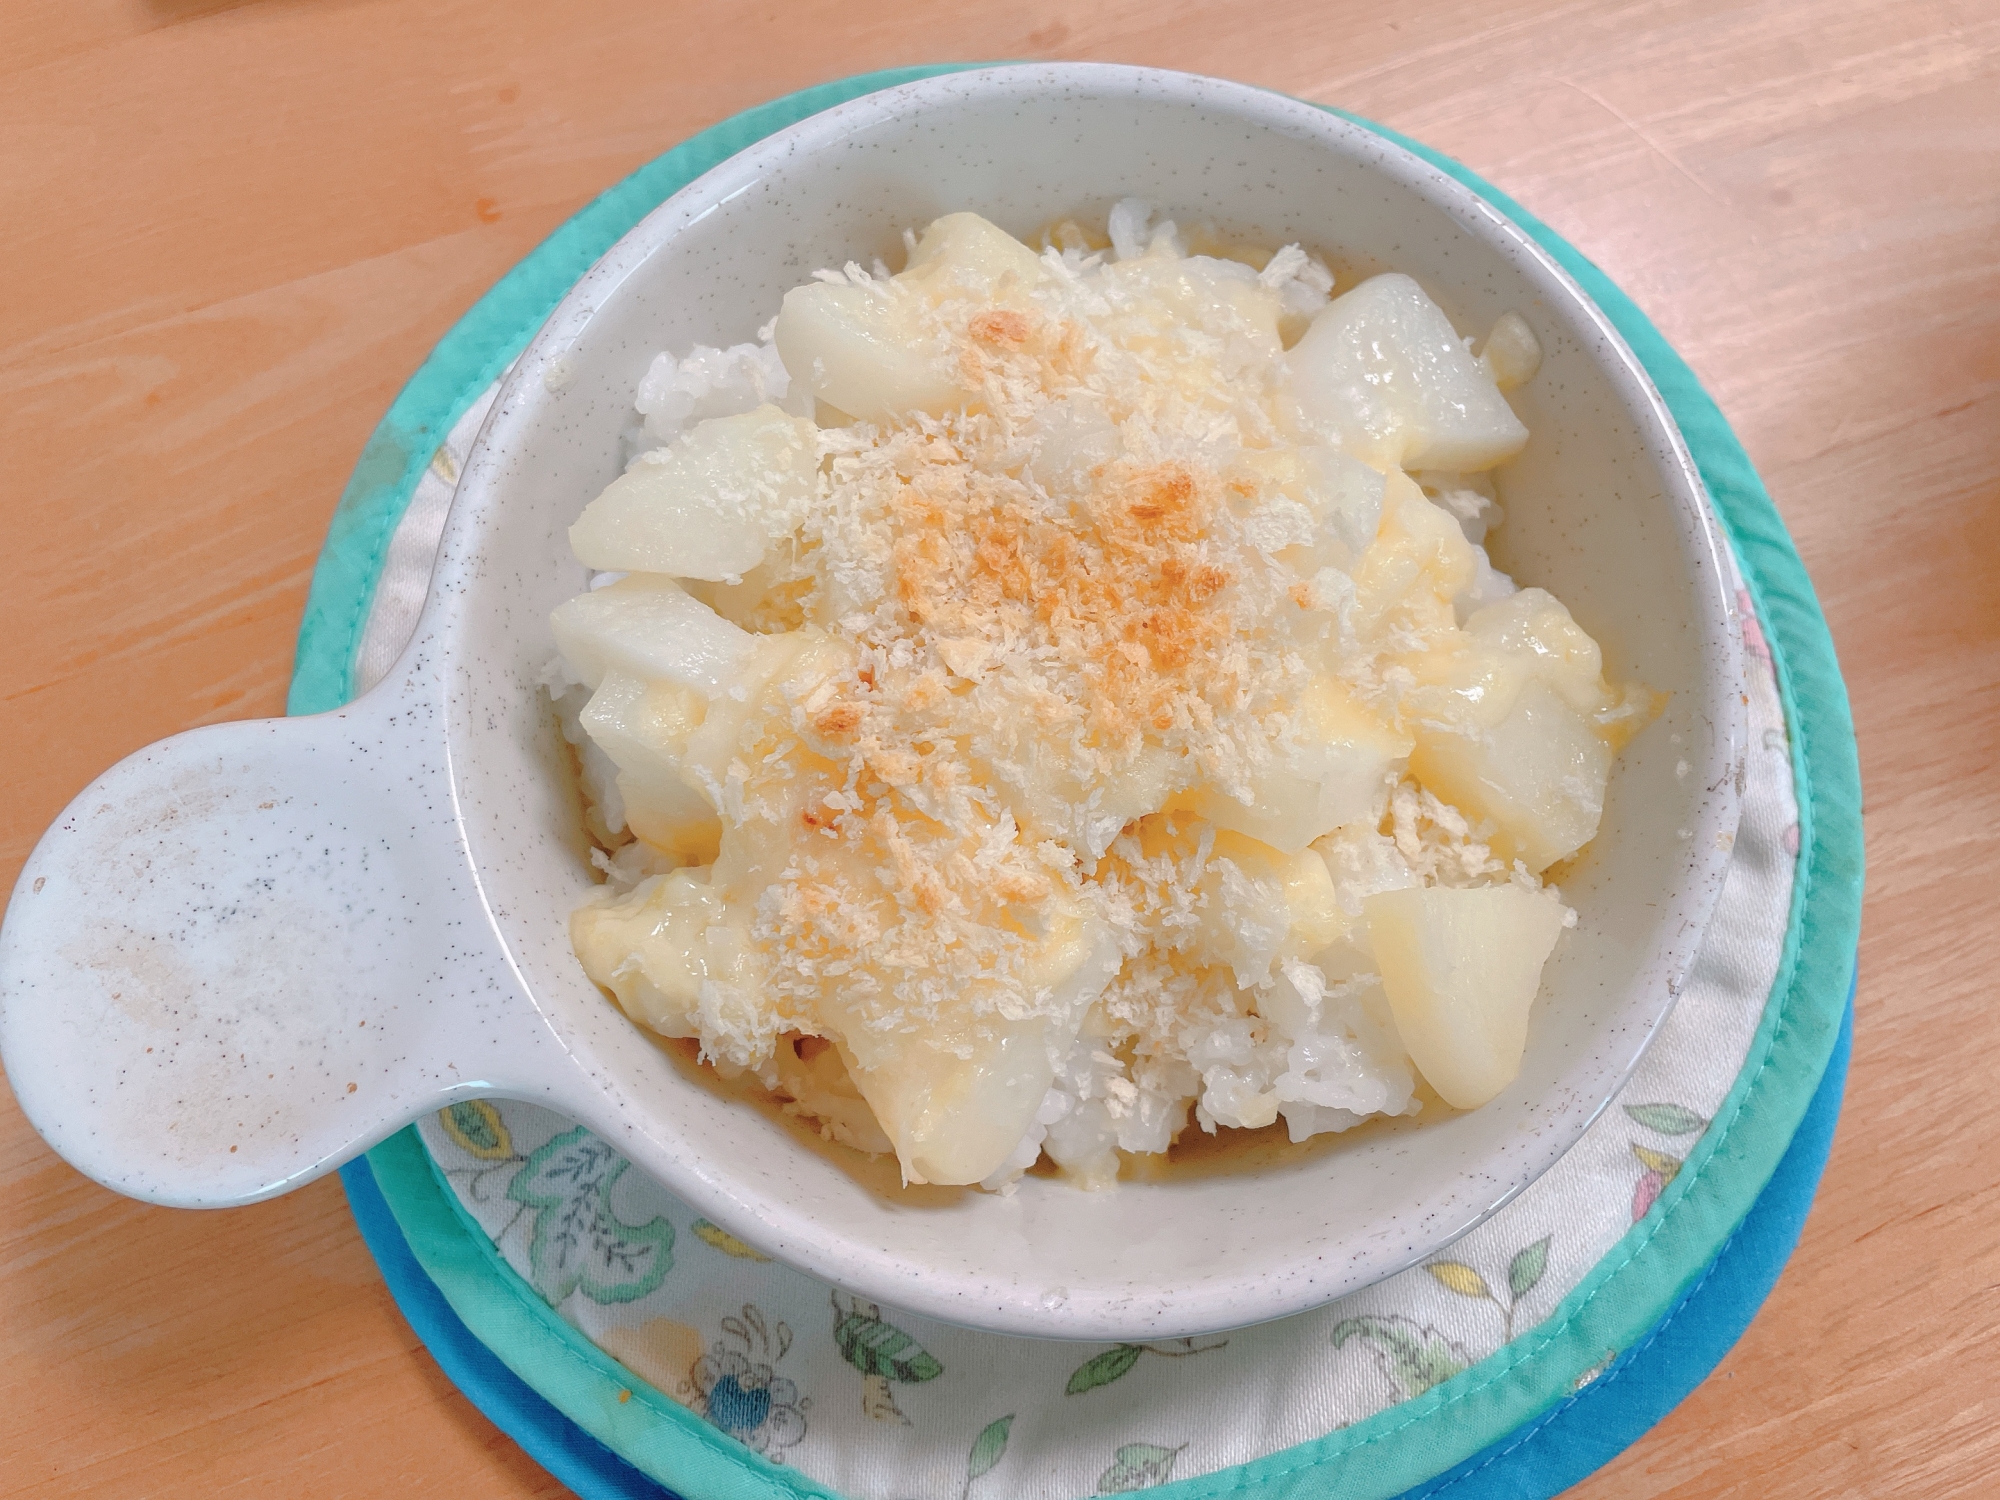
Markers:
{"x": 228, "y": 232}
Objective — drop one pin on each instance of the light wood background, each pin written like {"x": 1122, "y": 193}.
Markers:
{"x": 228, "y": 232}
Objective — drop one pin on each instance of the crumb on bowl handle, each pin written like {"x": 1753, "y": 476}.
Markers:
{"x": 247, "y": 953}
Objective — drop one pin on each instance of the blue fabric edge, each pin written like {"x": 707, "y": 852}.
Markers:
{"x": 551, "y": 1439}
{"x": 1575, "y": 1438}
{"x": 1585, "y": 1431}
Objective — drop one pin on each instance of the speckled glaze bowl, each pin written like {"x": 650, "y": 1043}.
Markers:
{"x": 248, "y": 952}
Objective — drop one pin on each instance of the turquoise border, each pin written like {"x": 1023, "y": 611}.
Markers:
{"x": 1622, "y": 1298}
{"x": 1575, "y": 1437}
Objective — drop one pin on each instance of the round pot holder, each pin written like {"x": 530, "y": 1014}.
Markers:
{"x": 637, "y": 1350}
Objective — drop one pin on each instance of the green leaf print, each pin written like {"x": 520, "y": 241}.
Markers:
{"x": 1137, "y": 1466}
{"x": 1414, "y": 1356}
{"x": 1524, "y": 1272}
{"x": 988, "y": 1448}
{"x": 579, "y": 1243}
{"x": 877, "y": 1348}
{"x": 1667, "y": 1119}
{"x": 477, "y": 1127}
{"x": 1102, "y": 1369}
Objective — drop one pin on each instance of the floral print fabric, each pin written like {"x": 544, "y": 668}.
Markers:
{"x": 879, "y": 1405}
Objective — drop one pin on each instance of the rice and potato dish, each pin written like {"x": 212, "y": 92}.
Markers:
{"x": 1046, "y": 699}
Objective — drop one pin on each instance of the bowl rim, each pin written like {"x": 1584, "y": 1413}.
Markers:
{"x": 1005, "y": 1306}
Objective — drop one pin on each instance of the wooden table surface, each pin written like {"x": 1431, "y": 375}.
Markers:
{"x": 228, "y": 232}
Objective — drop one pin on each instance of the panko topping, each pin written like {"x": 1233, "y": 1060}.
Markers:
{"x": 1038, "y": 701}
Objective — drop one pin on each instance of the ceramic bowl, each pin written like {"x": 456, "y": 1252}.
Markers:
{"x": 250, "y": 951}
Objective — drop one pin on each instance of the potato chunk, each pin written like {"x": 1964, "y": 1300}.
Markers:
{"x": 651, "y": 628}
{"x": 652, "y": 948}
{"x": 644, "y": 728}
{"x": 956, "y": 1097}
{"x": 964, "y": 252}
{"x": 1417, "y": 564}
{"x": 871, "y": 352}
{"x": 1461, "y": 968}
{"x": 1343, "y": 496}
{"x": 1515, "y": 725}
{"x": 709, "y": 505}
{"x": 1259, "y": 905}
{"x": 879, "y": 350}
{"x": 954, "y": 1120}
{"x": 814, "y": 1074}
{"x": 1382, "y": 373}
{"x": 1512, "y": 354}
{"x": 778, "y": 670}
{"x": 1338, "y": 770}
{"x": 1049, "y": 800}
{"x": 1538, "y": 773}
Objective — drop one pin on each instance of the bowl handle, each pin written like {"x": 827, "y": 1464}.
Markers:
{"x": 247, "y": 953}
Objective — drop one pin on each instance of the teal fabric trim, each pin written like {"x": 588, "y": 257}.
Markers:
{"x": 1384, "y": 1455}
{"x": 649, "y": 1430}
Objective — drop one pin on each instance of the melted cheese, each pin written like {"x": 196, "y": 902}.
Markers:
{"x": 1046, "y": 713}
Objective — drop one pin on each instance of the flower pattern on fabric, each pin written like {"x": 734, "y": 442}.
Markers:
{"x": 1660, "y": 1167}
{"x": 1524, "y": 1274}
{"x": 738, "y": 1389}
{"x": 479, "y": 1129}
{"x": 923, "y": 1408}
{"x": 1414, "y": 1356}
{"x": 1753, "y": 630}
{"x": 579, "y": 1242}
{"x": 477, "y": 1126}
{"x": 1116, "y": 1362}
{"x": 882, "y": 1353}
